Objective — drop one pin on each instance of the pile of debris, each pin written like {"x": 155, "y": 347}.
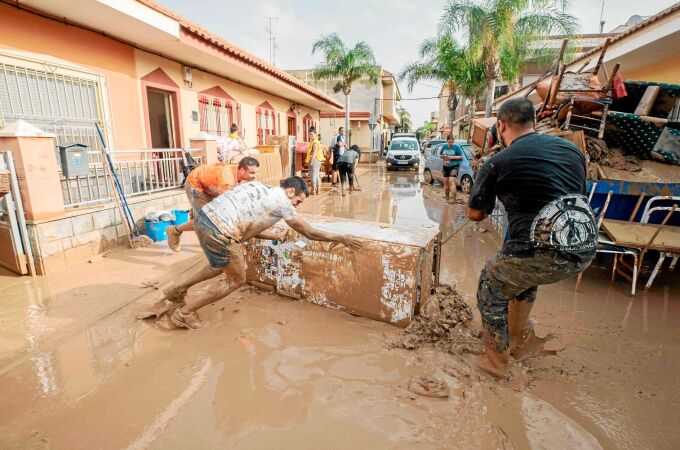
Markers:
{"x": 444, "y": 321}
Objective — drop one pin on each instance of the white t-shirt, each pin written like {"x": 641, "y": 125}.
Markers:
{"x": 248, "y": 209}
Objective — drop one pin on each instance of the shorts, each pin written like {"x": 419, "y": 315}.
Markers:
{"x": 218, "y": 248}
{"x": 197, "y": 199}
{"x": 450, "y": 171}
{"x": 508, "y": 277}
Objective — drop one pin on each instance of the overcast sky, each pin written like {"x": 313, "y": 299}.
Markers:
{"x": 393, "y": 28}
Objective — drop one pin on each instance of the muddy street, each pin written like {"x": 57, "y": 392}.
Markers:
{"x": 78, "y": 371}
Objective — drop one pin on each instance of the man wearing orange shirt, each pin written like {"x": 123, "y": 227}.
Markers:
{"x": 207, "y": 182}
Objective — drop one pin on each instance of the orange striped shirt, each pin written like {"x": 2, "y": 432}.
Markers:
{"x": 213, "y": 179}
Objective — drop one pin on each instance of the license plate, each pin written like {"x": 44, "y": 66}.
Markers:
{"x": 402, "y": 162}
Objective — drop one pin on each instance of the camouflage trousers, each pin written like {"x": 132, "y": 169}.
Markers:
{"x": 508, "y": 277}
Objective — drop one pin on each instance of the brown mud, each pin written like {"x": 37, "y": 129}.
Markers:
{"x": 444, "y": 321}
{"x": 77, "y": 369}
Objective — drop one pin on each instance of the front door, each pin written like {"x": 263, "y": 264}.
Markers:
{"x": 160, "y": 119}
{"x": 291, "y": 126}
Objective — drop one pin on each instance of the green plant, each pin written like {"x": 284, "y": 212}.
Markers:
{"x": 345, "y": 65}
{"x": 501, "y": 33}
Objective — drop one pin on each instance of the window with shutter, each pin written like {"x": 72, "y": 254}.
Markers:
{"x": 57, "y": 101}
{"x": 265, "y": 119}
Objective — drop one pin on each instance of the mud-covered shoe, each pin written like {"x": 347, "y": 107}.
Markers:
{"x": 189, "y": 321}
{"x": 173, "y": 238}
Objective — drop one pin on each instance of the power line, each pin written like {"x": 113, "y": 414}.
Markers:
{"x": 416, "y": 98}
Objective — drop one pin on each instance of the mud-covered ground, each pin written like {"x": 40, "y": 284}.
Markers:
{"x": 267, "y": 372}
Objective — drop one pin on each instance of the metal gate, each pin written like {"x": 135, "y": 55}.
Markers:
{"x": 15, "y": 249}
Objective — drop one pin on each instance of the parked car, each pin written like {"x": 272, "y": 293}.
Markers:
{"x": 403, "y": 152}
{"x": 434, "y": 166}
{"x": 432, "y": 143}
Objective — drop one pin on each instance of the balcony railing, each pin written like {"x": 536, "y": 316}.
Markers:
{"x": 139, "y": 171}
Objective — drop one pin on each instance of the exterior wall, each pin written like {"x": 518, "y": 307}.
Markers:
{"x": 666, "y": 71}
{"x": 248, "y": 98}
{"x": 38, "y": 37}
{"x": 74, "y": 238}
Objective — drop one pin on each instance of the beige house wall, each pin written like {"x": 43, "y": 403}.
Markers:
{"x": 248, "y": 98}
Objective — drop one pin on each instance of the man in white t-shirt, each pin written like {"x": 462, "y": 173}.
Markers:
{"x": 242, "y": 213}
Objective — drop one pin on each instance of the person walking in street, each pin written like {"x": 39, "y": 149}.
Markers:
{"x": 346, "y": 165}
{"x": 315, "y": 157}
{"x": 243, "y": 213}
{"x": 452, "y": 155}
{"x": 339, "y": 146}
{"x": 206, "y": 182}
{"x": 552, "y": 236}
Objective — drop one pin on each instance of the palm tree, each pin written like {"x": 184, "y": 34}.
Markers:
{"x": 426, "y": 130}
{"x": 439, "y": 61}
{"x": 404, "y": 119}
{"x": 345, "y": 65}
{"x": 500, "y": 30}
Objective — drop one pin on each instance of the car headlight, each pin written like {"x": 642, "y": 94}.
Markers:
{"x": 390, "y": 155}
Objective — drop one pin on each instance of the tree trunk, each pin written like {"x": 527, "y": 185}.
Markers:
{"x": 348, "y": 130}
{"x": 490, "y": 88}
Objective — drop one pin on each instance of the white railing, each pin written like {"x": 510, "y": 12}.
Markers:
{"x": 139, "y": 172}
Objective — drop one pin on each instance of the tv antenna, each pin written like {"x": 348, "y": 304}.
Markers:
{"x": 272, "y": 40}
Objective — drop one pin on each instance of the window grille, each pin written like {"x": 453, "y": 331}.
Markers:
{"x": 216, "y": 115}
{"x": 65, "y": 105}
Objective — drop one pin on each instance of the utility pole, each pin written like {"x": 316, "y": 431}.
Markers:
{"x": 272, "y": 40}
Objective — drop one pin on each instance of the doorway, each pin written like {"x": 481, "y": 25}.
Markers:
{"x": 160, "y": 118}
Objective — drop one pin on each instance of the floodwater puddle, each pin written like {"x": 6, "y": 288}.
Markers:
{"x": 79, "y": 372}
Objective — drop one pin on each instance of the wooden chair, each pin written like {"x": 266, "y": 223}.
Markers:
{"x": 584, "y": 88}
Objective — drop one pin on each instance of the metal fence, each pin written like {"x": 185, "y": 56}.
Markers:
{"x": 139, "y": 172}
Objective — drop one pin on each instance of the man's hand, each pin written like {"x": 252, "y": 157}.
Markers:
{"x": 475, "y": 214}
{"x": 351, "y": 242}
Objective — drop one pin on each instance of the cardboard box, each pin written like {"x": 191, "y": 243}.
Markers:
{"x": 387, "y": 279}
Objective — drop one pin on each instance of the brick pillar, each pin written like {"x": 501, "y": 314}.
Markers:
{"x": 207, "y": 147}
{"x": 37, "y": 169}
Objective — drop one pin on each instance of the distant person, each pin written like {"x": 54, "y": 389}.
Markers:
{"x": 206, "y": 182}
{"x": 233, "y": 132}
{"x": 451, "y": 155}
{"x": 338, "y": 147}
{"x": 346, "y": 166}
{"x": 541, "y": 181}
{"x": 315, "y": 157}
{"x": 223, "y": 225}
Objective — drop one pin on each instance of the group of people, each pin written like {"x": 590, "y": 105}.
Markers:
{"x": 343, "y": 164}
{"x": 229, "y": 208}
{"x": 540, "y": 179}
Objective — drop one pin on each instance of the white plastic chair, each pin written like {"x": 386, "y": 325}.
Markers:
{"x": 646, "y": 214}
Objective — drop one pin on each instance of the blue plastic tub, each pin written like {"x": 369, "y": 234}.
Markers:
{"x": 156, "y": 230}
{"x": 181, "y": 216}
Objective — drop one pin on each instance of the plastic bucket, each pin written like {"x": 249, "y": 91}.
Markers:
{"x": 156, "y": 230}
{"x": 181, "y": 216}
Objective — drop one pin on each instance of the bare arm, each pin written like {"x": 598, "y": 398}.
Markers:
{"x": 308, "y": 231}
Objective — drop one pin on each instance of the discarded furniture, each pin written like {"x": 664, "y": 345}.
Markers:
{"x": 606, "y": 245}
{"x": 644, "y": 236}
{"x": 653, "y": 206}
{"x": 387, "y": 279}
{"x": 638, "y": 134}
{"x": 581, "y": 93}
